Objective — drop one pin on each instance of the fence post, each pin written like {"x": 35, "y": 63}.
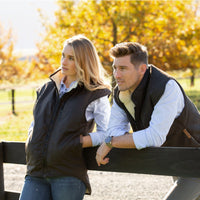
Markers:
{"x": 13, "y": 101}
{"x": 2, "y": 194}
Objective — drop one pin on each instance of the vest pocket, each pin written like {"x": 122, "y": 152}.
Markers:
{"x": 191, "y": 138}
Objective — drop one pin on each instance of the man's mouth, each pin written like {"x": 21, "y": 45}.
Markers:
{"x": 119, "y": 82}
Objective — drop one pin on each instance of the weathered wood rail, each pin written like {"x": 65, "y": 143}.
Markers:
{"x": 171, "y": 161}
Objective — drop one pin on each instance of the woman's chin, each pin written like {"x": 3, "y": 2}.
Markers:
{"x": 63, "y": 71}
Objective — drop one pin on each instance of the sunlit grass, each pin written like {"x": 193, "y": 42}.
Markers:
{"x": 15, "y": 127}
{"x": 185, "y": 83}
{"x": 20, "y": 95}
{"x": 192, "y": 92}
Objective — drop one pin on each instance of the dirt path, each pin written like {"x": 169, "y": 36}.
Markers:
{"x": 105, "y": 185}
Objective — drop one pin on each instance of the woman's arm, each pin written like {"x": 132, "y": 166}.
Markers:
{"x": 99, "y": 110}
{"x": 86, "y": 141}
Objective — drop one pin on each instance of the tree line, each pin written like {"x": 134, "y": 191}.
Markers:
{"x": 169, "y": 29}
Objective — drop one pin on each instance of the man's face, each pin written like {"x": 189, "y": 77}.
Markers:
{"x": 126, "y": 74}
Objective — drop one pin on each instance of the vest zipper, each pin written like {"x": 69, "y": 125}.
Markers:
{"x": 59, "y": 103}
{"x": 51, "y": 125}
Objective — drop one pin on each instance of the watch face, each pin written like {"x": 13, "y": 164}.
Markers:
{"x": 108, "y": 139}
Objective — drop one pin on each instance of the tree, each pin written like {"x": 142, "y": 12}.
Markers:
{"x": 165, "y": 28}
{"x": 8, "y": 68}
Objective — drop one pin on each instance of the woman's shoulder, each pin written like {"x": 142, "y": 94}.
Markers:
{"x": 102, "y": 91}
{"x": 45, "y": 86}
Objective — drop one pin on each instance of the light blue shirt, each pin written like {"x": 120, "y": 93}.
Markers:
{"x": 165, "y": 111}
{"x": 99, "y": 110}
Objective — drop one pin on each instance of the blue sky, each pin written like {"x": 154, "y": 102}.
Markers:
{"x": 22, "y": 16}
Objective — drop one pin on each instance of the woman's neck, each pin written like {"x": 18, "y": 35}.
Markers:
{"x": 68, "y": 80}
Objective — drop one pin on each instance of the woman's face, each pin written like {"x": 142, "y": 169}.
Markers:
{"x": 68, "y": 67}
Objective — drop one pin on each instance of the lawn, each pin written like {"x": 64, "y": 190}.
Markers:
{"x": 15, "y": 127}
{"x": 192, "y": 92}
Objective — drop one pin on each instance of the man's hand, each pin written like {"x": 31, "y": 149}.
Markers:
{"x": 102, "y": 151}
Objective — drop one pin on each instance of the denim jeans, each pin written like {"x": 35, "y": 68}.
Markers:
{"x": 62, "y": 188}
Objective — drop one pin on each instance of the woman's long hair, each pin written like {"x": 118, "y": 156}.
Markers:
{"x": 89, "y": 69}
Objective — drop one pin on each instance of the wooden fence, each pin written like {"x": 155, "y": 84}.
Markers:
{"x": 171, "y": 161}
{"x": 12, "y": 96}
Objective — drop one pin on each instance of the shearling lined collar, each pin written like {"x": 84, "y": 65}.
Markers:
{"x": 57, "y": 76}
{"x": 140, "y": 92}
{"x": 125, "y": 98}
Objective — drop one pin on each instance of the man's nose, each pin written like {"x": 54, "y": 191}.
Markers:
{"x": 117, "y": 74}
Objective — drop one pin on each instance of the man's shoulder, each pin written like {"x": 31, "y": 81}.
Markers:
{"x": 158, "y": 78}
{"x": 158, "y": 73}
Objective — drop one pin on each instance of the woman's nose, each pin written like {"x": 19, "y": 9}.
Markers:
{"x": 64, "y": 61}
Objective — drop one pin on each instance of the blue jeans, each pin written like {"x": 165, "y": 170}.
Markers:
{"x": 62, "y": 188}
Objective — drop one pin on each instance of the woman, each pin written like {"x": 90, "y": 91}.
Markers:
{"x": 64, "y": 116}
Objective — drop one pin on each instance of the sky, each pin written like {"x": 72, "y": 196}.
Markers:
{"x": 23, "y": 17}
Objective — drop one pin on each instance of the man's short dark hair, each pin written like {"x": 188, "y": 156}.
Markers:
{"x": 138, "y": 52}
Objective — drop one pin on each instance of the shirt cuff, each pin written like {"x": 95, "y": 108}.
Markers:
{"x": 140, "y": 140}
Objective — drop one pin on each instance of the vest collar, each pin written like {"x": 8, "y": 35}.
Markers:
{"x": 139, "y": 92}
{"x": 57, "y": 76}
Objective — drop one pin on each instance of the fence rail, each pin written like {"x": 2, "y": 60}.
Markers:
{"x": 171, "y": 161}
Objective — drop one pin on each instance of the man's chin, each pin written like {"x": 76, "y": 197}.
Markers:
{"x": 121, "y": 88}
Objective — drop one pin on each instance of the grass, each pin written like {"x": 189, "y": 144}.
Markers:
{"x": 15, "y": 127}
{"x": 185, "y": 83}
{"x": 192, "y": 92}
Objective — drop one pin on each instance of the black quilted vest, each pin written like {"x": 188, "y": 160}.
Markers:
{"x": 53, "y": 149}
{"x": 185, "y": 130}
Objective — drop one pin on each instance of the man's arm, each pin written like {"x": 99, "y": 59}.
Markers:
{"x": 118, "y": 123}
{"x": 166, "y": 110}
{"x": 124, "y": 141}
{"x": 118, "y": 126}
{"x": 99, "y": 110}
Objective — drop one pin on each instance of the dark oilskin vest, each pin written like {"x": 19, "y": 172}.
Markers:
{"x": 185, "y": 130}
{"x": 54, "y": 149}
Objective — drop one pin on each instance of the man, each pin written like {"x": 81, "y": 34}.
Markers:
{"x": 156, "y": 107}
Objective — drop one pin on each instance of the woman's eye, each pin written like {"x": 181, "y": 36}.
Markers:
{"x": 71, "y": 58}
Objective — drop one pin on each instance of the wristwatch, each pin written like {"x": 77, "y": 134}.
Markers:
{"x": 108, "y": 141}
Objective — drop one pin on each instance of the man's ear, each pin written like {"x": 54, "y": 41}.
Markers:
{"x": 143, "y": 68}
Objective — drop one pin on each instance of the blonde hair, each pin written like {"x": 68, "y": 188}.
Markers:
{"x": 89, "y": 69}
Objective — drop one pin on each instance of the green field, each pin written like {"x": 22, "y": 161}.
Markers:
{"x": 15, "y": 127}
{"x": 192, "y": 92}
